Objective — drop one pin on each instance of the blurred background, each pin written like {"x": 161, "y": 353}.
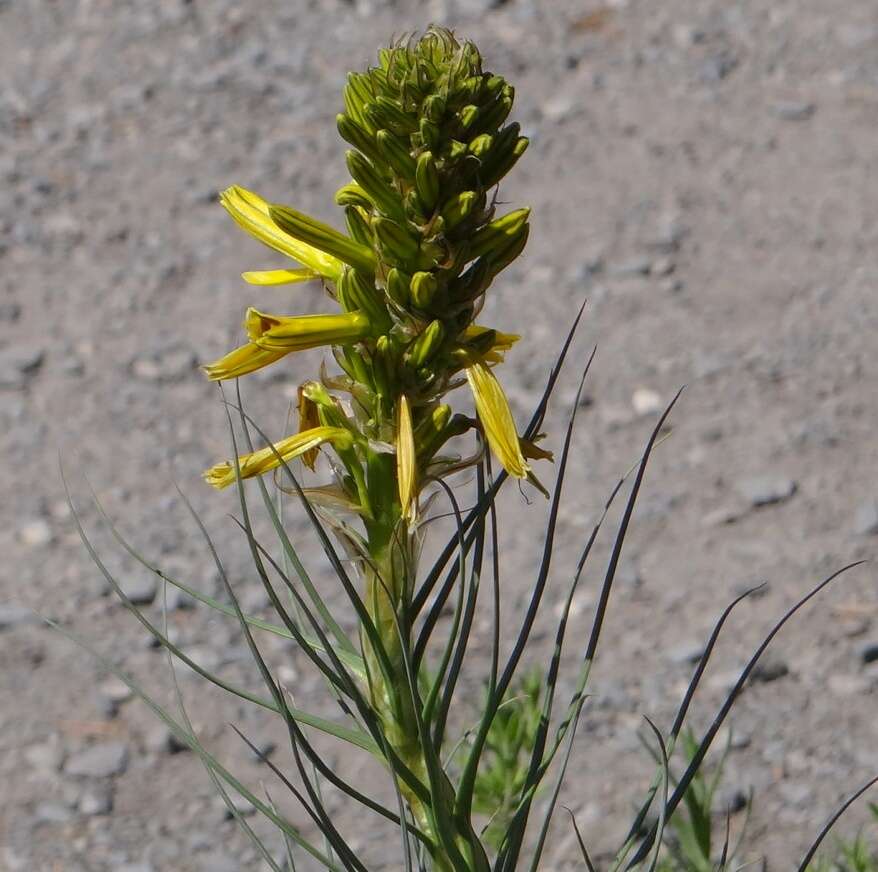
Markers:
{"x": 703, "y": 173}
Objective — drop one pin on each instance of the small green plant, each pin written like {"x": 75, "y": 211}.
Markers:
{"x": 406, "y": 284}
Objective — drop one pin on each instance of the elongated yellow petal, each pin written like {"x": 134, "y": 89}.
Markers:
{"x": 266, "y": 459}
{"x": 285, "y": 333}
{"x": 308, "y": 420}
{"x": 279, "y": 276}
{"x": 496, "y": 417}
{"x": 247, "y": 358}
{"x": 502, "y": 341}
{"x": 405, "y": 458}
{"x": 250, "y": 212}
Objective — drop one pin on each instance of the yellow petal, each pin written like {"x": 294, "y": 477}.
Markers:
{"x": 308, "y": 420}
{"x": 497, "y": 421}
{"x": 502, "y": 341}
{"x": 246, "y": 358}
{"x": 250, "y": 212}
{"x": 223, "y": 474}
{"x": 279, "y": 276}
{"x": 296, "y": 333}
{"x": 405, "y": 459}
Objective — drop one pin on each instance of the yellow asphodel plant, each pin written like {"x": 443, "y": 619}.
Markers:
{"x": 429, "y": 143}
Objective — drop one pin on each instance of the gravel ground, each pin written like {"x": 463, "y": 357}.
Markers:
{"x": 703, "y": 172}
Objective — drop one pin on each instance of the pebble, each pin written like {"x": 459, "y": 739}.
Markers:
{"x": 14, "y": 615}
{"x": 95, "y": 801}
{"x": 662, "y": 266}
{"x": 770, "y": 669}
{"x": 45, "y": 757}
{"x": 162, "y": 740}
{"x": 219, "y": 862}
{"x": 687, "y": 652}
{"x": 170, "y": 364}
{"x": 244, "y": 807}
{"x": 18, "y": 364}
{"x": 134, "y": 867}
{"x": 793, "y": 110}
{"x": 732, "y": 800}
{"x": 869, "y": 652}
{"x": 721, "y": 516}
{"x": 99, "y": 761}
{"x": 646, "y": 401}
{"x": 766, "y": 490}
{"x": 717, "y": 67}
{"x": 49, "y": 812}
{"x": 866, "y": 519}
{"x": 845, "y": 684}
{"x": 140, "y": 589}
{"x": 115, "y": 690}
{"x": 637, "y": 266}
{"x": 35, "y": 533}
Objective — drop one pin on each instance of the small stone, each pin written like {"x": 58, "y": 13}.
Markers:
{"x": 869, "y": 652}
{"x": 219, "y": 862}
{"x": 686, "y": 653}
{"x": 140, "y": 589}
{"x": 265, "y": 749}
{"x": 866, "y": 519}
{"x": 721, "y": 516}
{"x": 134, "y": 867}
{"x": 170, "y": 364}
{"x": 45, "y": 757}
{"x": 662, "y": 266}
{"x": 18, "y": 364}
{"x": 35, "y": 533}
{"x": 718, "y": 66}
{"x": 769, "y": 670}
{"x": 244, "y": 807}
{"x": 637, "y": 266}
{"x": 162, "y": 740}
{"x": 732, "y": 800}
{"x": 796, "y": 794}
{"x": 95, "y": 801}
{"x": 724, "y": 682}
{"x": 115, "y": 690}
{"x": 845, "y": 684}
{"x": 793, "y": 110}
{"x": 176, "y": 599}
{"x": 766, "y": 490}
{"x": 14, "y": 615}
{"x": 52, "y": 813}
{"x": 99, "y": 761}
{"x": 646, "y": 401}
{"x": 628, "y": 574}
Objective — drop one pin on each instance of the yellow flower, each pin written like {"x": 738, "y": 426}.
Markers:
{"x": 279, "y": 276}
{"x": 405, "y": 459}
{"x": 496, "y": 417}
{"x": 266, "y": 459}
{"x": 274, "y": 336}
{"x": 251, "y": 213}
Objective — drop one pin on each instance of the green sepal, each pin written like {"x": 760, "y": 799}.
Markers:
{"x": 324, "y": 237}
{"x": 495, "y": 235}
{"x": 468, "y": 116}
{"x": 396, "y": 154}
{"x": 428, "y": 343}
{"x": 427, "y": 180}
{"x": 396, "y": 241}
{"x": 423, "y": 288}
{"x": 459, "y": 207}
{"x": 357, "y": 225}
{"x": 383, "y": 196}
{"x": 353, "y": 195}
{"x": 429, "y": 133}
{"x": 358, "y": 137}
{"x": 434, "y": 108}
{"x": 397, "y": 287}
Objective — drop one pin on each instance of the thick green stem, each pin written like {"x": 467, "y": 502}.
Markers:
{"x": 388, "y": 583}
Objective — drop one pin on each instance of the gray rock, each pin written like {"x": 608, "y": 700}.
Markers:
{"x": 731, "y": 800}
{"x": 97, "y": 800}
{"x": 50, "y": 812}
{"x": 134, "y": 867}
{"x": 219, "y": 862}
{"x": 869, "y": 652}
{"x": 687, "y": 652}
{"x": 162, "y": 740}
{"x": 172, "y": 363}
{"x": 866, "y": 519}
{"x": 766, "y": 490}
{"x": 45, "y": 757}
{"x": 14, "y": 615}
{"x": 793, "y": 110}
{"x": 636, "y": 266}
{"x": 99, "y": 761}
{"x": 846, "y": 684}
{"x": 140, "y": 589}
{"x": 770, "y": 669}
{"x": 244, "y": 807}
{"x": 717, "y": 67}
{"x": 18, "y": 364}
{"x": 35, "y": 533}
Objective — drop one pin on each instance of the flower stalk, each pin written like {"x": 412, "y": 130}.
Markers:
{"x": 429, "y": 139}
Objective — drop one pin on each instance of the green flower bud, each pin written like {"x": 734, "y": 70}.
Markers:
{"x": 427, "y": 180}
{"x": 396, "y": 154}
{"x": 357, "y": 225}
{"x": 397, "y": 287}
{"x": 383, "y": 196}
{"x": 427, "y": 344}
{"x": 423, "y": 288}
{"x": 396, "y": 241}
{"x": 481, "y": 145}
{"x": 498, "y": 232}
